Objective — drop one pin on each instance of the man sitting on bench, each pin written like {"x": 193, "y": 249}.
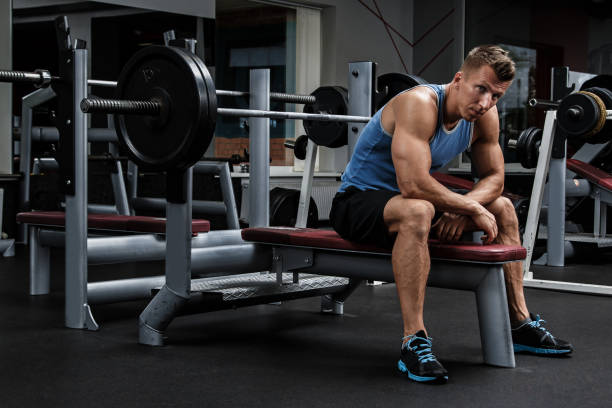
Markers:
{"x": 388, "y": 197}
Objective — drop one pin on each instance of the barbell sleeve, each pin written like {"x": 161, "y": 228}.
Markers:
{"x": 40, "y": 77}
{"x": 543, "y": 103}
{"x": 116, "y": 106}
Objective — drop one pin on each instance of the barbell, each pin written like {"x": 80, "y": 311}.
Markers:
{"x": 166, "y": 108}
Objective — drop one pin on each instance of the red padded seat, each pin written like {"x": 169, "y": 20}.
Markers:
{"x": 591, "y": 173}
{"x": 327, "y": 239}
{"x": 450, "y": 181}
{"x": 111, "y": 222}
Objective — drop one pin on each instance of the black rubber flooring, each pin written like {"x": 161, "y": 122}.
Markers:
{"x": 290, "y": 355}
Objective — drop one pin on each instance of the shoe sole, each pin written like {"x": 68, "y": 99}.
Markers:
{"x": 537, "y": 350}
{"x": 430, "y": 380}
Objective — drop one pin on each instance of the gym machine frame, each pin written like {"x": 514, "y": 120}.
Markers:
{"x": 552, "y": 166}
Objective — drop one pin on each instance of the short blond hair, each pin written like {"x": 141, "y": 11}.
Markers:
{"x": 492, "y": 55}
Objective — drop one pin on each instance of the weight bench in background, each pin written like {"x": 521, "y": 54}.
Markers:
{"x": 600, "y": 184}
{"x": 463, "y": 266}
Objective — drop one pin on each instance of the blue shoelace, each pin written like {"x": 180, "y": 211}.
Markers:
{"x": 422, "y": 350}
{"x": 537, "y": 324}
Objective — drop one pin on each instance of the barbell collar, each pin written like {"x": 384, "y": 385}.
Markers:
{"x": 319, "y": 117}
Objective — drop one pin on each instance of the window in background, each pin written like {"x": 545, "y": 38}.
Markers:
{"x": 260, "y": 37}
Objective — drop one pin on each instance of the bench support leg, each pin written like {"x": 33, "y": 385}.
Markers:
{"x": 333, "y": 303}
{"x": 39, "y": 264}
{"x": 495, "y": 334}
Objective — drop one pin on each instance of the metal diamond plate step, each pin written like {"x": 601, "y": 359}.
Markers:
{"x": 257, "y": 284}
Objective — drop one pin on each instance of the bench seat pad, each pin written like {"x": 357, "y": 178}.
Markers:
{"x": 591, "y": 173}
{"x": 328, "y": 239}
{"x": 111, "y": 222}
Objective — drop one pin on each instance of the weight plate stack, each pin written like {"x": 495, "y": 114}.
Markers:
{"x": 284, "y": 204}
{"x": 389, "y": 85}
{"x": 528, "y": 147}
{"x": 605, "y": 134}
{"x": 180, "y": 135}
{"x": 330, "y": 100}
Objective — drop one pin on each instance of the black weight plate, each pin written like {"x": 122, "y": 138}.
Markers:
{"x": 332, "y": 100}
{"x": 209, "y": 131}
{"x": 527, "y": 147}
{"x": 175, "y": 142}
{"x": 389, "y": 85}
{"x": 300, "y": 147}
{"x": 284, "y": 204}
{"x": 599, "y": 81}
{"x": 578, "y": 126}
{"x": 605, "y": 134}
{"x": 533, "y": 147}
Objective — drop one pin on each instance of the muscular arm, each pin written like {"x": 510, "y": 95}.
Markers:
{"x": 488, "y": 159}
{"x": 412, "y": 157}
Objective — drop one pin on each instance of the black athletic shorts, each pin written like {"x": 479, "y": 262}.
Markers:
{"x": 358, "y": 216}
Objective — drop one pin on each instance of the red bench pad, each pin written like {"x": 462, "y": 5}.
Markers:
{"x": 450, "y": 181}
{"x": 593, "y": 174}
{"x": 327, "y": 239}
{"x": 109, "y": 222}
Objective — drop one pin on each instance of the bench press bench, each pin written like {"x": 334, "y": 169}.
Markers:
{"x": 601, "y": 192}
{"x": 46, "y": 230}
{"x": 464, "y": 266}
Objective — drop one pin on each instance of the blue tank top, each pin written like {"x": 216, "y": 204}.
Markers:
{"x": 371, "y": 166}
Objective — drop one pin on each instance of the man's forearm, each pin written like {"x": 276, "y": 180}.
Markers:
{"x": 487, "y": 189}
{"x": 441, "y": 197}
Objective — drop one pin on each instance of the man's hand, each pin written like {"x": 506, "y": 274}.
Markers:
{"x": 484, "y": 220}
{"x": 450, "y": 227}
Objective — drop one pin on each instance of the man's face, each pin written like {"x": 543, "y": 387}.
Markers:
{"x": 478, "y": 92}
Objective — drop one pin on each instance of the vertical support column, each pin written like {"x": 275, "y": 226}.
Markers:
{"x": 535, "y": 203}
{"x": 25, "y": 147}
{"x": 227, "y": 190}
{"x": 168, "y": 302}
{"x": 306, "y": 187}
{"x": 119, "y": 190}
{"x": 39, "y": 264}
{"x": 78, "y": 315}
{"x": 259, "y": 150}
{"x": 555, "y": 242}
{"x": 361, "y": 81}
{"x": 132, "y": 179}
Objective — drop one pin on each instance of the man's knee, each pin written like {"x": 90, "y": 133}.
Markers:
{"x": 415, "y": 217}
{"x": 503, "y": 210}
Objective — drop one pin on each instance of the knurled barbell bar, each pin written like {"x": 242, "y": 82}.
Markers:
{"x": 42, "y": 78}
